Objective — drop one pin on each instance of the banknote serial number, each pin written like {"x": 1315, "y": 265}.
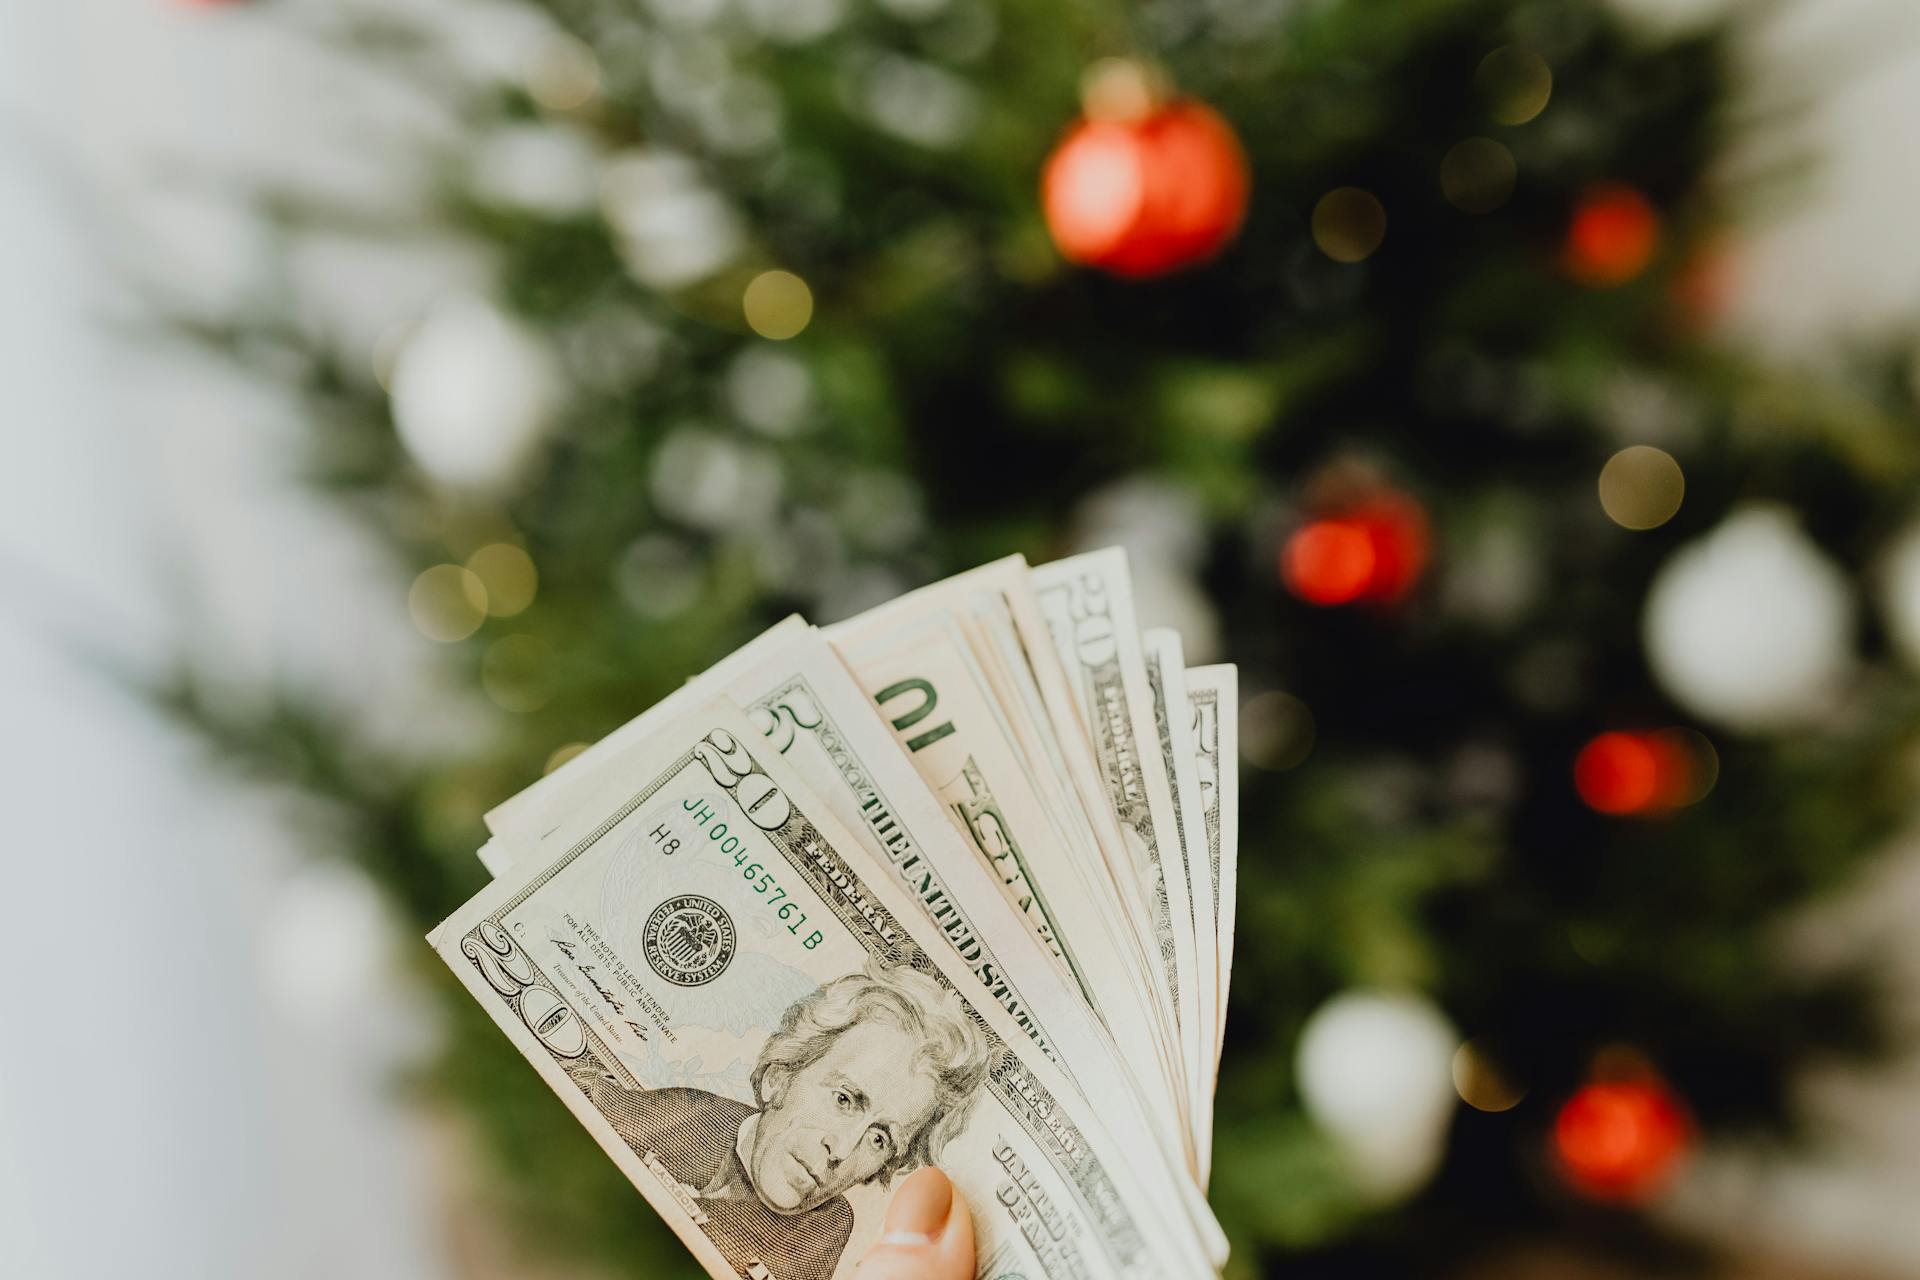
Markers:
{"x": 729, "y": 844}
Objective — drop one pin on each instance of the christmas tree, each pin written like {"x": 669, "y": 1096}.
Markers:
{"x": 1380, "y": 334}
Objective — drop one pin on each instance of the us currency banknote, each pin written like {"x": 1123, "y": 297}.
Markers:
{"x": 894, "y": 668}
{"x": 1063, "y": 748}
{"x": 798, "y": 694}
{"x": 754, "y": 1021}
{"x": 1088, "y": 604}
{"x": 997, "y": 798}
{"x": 1001, "y": 593}
{"x": 1214, "y": 693}
{"x": 1004, "y": 589}
{"x": 801, "y": 697}
{"x": 1172, "y": 718}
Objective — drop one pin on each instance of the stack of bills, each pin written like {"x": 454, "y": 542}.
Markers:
{"x": 949, "y": 883}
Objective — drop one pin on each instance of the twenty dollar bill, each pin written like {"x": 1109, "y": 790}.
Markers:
{"x": 762, "y": 1030}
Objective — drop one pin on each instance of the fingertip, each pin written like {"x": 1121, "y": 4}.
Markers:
{"x": 921, "y": 1205}
{"x": 956, "y": 1235}
{"x": 927, "y": 1233}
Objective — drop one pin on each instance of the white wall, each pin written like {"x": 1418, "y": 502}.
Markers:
{"x": 183, "y": 1094}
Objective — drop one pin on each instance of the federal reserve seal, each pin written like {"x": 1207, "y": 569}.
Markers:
{"x": 689, "y": 940}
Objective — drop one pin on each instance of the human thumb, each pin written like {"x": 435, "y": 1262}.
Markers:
{"x": 927, "y": 1234}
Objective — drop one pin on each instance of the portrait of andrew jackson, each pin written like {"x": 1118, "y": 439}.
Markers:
{"x": 866, "y": 1079}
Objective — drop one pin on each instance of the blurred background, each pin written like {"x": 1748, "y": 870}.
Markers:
{"x": 400, "y": 395}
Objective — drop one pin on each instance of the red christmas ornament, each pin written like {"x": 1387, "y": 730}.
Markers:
{"x": 1617, "y": 773}
{"x": 1374, "y": 549}
{"x": 1328, "y": 562}
{"x": 1624, "y": 773}
{"x": 1621, "y": 1140}
{"x": 1612, "y": 236}
{"x": 1145, "y": 195}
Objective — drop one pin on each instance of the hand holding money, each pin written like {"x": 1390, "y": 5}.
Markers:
{"x": 949, "y": 883}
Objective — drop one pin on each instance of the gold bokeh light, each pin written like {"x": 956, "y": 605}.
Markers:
{"x": 508, "y": 575}
{"x": 1349, "y": 224}
{"x": 777, "y": 304}
{"x": 1120, "y": 89}
{"x": 1481, "y": 1083}
{"x": 1276, "y": 730}
{"x": 1515, "y": 84}
{"x": 1641, "y": 487}
{"x": 448, "y": 602}
{"x": 563, "y": 73}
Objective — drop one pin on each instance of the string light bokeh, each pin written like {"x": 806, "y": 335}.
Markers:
{"x": 1349, "y": 224}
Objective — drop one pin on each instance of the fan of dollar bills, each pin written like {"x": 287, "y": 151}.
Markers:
{"x": 951, "y": 882}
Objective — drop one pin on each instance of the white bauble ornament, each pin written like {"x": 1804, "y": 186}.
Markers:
{"x": 1164, "y": 596}
{"x": 1751, "y": 625}
{"x": 473, "y": 394}
{"x": 672, "y": 229}
{"x": 1900, "y": 599}
{"x": 770, "y": 390}
{"x": 880, "y": 510}
{"x": 709, "y": 481}
{"x": 660, "y": 577}
{"x": 540, "y": 168}
{"x": 1376, "y": 1074}
{"x": 794, "y": 21}
{"x": 916, "y": 101}
{"x": 1152, "y": 518}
